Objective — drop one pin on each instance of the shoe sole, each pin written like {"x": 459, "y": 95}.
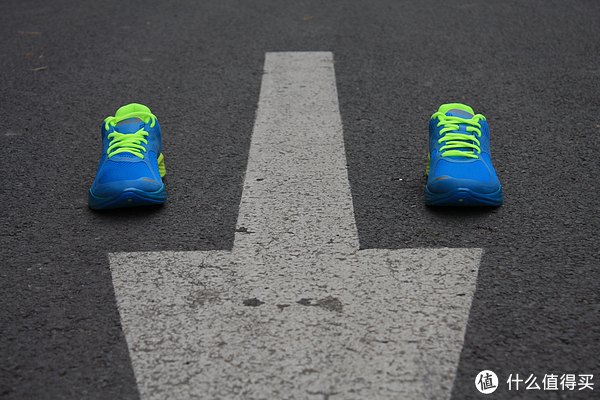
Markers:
{"x": 464, "y": 197}
{"x": 130, "y": 197}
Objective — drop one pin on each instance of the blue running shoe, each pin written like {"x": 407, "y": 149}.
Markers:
{"x": 132, "y": 165}
{"x": 459, "y": 164}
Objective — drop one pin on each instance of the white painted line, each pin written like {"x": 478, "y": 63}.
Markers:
{"x": 296, "y": 310}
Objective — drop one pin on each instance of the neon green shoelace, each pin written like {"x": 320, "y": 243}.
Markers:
{"x": 128, "y": 142}
{"x": 456, "y": 142}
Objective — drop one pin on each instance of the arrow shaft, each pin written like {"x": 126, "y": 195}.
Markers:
{"x": 296, "y": 192}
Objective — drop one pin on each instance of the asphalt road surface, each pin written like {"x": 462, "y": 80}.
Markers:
{"x": 531, "y": 67}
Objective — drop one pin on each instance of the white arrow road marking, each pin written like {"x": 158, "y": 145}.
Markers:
{"x": 295, "y": 310}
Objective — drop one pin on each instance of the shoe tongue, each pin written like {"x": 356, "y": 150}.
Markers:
{"x": 129, "y": 125}
{"x": 455, "y": 112}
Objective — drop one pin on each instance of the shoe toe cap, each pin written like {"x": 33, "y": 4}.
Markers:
{"x": 115, "y": 177}
{"x": 474, "y": 175}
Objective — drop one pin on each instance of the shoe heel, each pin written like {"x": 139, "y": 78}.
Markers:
{"x": 161, "y": 165}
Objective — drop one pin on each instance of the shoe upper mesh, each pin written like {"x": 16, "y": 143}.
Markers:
{"x": 114, "y": 171}
{"x": 154, "y": 162}
{"x": 475, "y": 170}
